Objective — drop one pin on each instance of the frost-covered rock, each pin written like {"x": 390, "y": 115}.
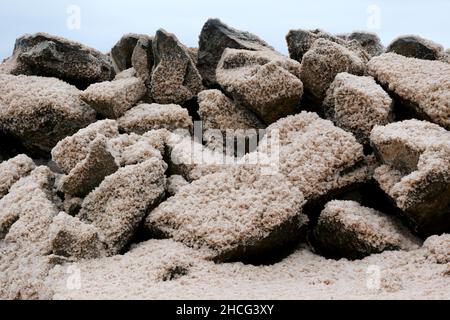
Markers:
{"x": 146, "y": 117}
{"x": 12, "y": 170}
{"x": 41, "y": 111}
{"x": 356, "y": 104}
{"x": 122, "y": 51}
{"x": 46, "y": 55}
{"x": 416, "y": 47}
{"x": 236, "y": 214}
{"x": 214, "y": 39}
{"x": 422, "y": 86}
{"x": 263, "y": 81}
{"x": 175, "y": 78}
{"x": 415, "y": 174}
{"x": 347, "y": 229}
{"x": 113, "y": 99}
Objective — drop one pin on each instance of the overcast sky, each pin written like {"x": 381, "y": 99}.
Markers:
{"x": 102, "y": 22}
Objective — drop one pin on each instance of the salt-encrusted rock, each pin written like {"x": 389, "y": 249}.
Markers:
{"x": 214, "y": 39}
{"x": 416, "y": 47}
{"x": 91, "y": 171}
{"x": 126, "y": 74}
{"x": 71, "y": 238}
{"x": 175, "y": 183}
{"x": 72, "y": 150}
{"x": 175, "y": 78}
{"x": 146, "y": 117}
{"x": 113, "y": 99}
{"x": 120, "y": 203}
{"x": 438, "y": 248}
{"x": 122, "y": 51}
{"x": 45, "y": 55}
{"x": 416, "y": 173}
{"x": 369, "y": 41}
{"x": 12, "y": 170}
{"x": 72, "y": 205}
{"x": 323, "y": 62}
{"x": 347, "y": 229}
{"x": 356, "y": 104}
{"x": 317, "y": 157}
{"x": 41, "y": 111}
{"x": 237, "y": 214}
{"x": 142, "y": 59}
{"x": 422, "y": 86}
{"x": 263, "y": 81}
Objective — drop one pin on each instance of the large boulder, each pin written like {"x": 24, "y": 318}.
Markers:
{"x": 356, "y": 104}
{"x": 236, "y": 214}
{"x": 214, "y": 39}
{"x": 415, "y": 172}
{"x": 421, "y": 87}
{"x": 41, "y": 111}
{"x": 416, "y": 47}
{"x": 347, "y": 229}
{"x": 264, "y": 81}
{"x": 12, "y": 170}
{"x": 45, "y": 55}
{"x": 122, "y": 51}
{"x": 175, "y": 78}
{"x": 142, "y": 61}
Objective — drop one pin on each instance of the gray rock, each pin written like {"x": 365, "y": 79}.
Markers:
{"x": 142, "y": 61}
{"x": 122, "y": 51}
{"x": 369, "y": 41}
{"x": 416, "y": 47}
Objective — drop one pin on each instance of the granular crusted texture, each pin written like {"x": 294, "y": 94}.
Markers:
{"x": 143, "y": 60}
{"x": 438, "y": 248}
{"x": 369, "y": 41}
{"x": 323, "y": 62}
{"x": 71, "y": 238}
{"x": 28, "y": 211}
{"x": 12, "y": 170}
{"x": 91, "y": 171}
{"x": 72, "y": 150}
{"x": 120, "y": 203}
{"x": 46, "y": 55}
{"x": 71, "y": 205}
{"x": 125, "y": 74}
{"x": 237, "y": 213}
{"x": 417, "y": 174}
{"x": 122, "y": 51}
{"x": 175, "y": 78}
{"x": 263, "y": 81}
{"x": 315, "y": 156}
{"x": 420, "y": 84}
{"x": 357, "y": 104}
{"x": 416, "y": 47}
{"x": 175, "y": 183}
{"x": 41, "y": 111}
{"x": 215, "y": 37}
{"x": 146, "y": 117}
{"x": 113, "y": 99}
{"x": 347, "y": 229}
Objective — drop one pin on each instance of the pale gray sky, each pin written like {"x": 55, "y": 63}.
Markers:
{"x": 104, "y": 21}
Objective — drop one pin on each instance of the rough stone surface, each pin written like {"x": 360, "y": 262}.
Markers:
{"x": 356, "y": 104}
{"x": 113, "y": 99}
{"x": 175, "y": 183}
{"x": 142, "y": 61}
{"x": 347, "y": 229}
{"x": 41, "y": 111}
{"x": 263, "y": 81}
{"x": 146, "y": 117}
{"x": 214, "y": 39}
{"x": 415, "y": 174}
{"x": 323, "y": 62}
{"x": 45, "y": 55}
{"x": 120, "y": 203}
{"x": 235, "y": 214}
{"x": 416, "y": 47}
{"x": 122, "y": 51}
{"x": 423, "y": 86}
{"x": 369, "y": 41}
{"x": 126, "y": 74}
{"x": 12, "y": 170}
{"x": 72, "y": 150}
{"x": 175, "y": 78}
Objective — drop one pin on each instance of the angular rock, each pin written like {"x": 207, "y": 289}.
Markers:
{"x": 236, "y": 214}
{"x": 126, "y": 74}
{"x": 13, "y": 170}
{"x": 122, "y": 51}
{"x": 356, "y": 104}
{"x": 175, "y": 183}
{"x": 113, "y": 99}
{"x": 323, "y": 62}
{"x": 438, "y": 248}
{"x": 175, "y": 78}
{"x": 416, "y": 47}
{"x": 41, "y": 111}
{"x": 118, "y": 206}
{"x": 72, "y": 205}
{"x": 214, "y": 39}
{"x": 415, "y": 174}
{"x": 91, "y": 171}
{"x": 263, "y": 81}
{"x": 422, "y": 87}
{"x": 45, "y": 55}
{"x": 146, "y": 117}
{"x": 142, "y": 59}
{"x": 348, "y": 230}
{"x": 74, "y": 149}
{"x": 370, "y": 42}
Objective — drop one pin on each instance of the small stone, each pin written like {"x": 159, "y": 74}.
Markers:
{"x": 438, "y": 248}
{"x": 369, "y": 41}
{"x": 416, "y": 47}
{"x": 122, "y": 51}
{"x": 13, "y": 170}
